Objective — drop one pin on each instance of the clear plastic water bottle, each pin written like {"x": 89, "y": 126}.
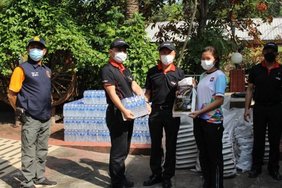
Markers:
{"x": 91, "y": 124}
{"x": 148, "y": 137}
{"x": 66, "y": 135}
{"x": 66, "y": 110}
{"x": 107, "y": 136}
{"x": 96, "y": 136}
{"x": 74, "y": 111}
{"x": 100, "y": 110}
{"x": 98, "y": 125}
{"x": 138, "y": 107}
{"x": 86, "y": 97}
{"x": 103, "y": 97}
{"x": 144, "y": 105}
{"x": 138, "y": 124}
{"x": 98, "y": 97}
{"x": 69, "y": 123}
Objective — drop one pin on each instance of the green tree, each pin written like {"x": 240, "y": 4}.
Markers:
{"x": 26, "y": 18}
{"x": 169, "y": 12}
{"x": 214, "y": 25}
{"x": 66, "y": 41}
{"x": 77, "y": 31}
{"x": 142, "y": 53}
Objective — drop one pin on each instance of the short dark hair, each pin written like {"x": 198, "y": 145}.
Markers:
{"x": 213, "y": 51}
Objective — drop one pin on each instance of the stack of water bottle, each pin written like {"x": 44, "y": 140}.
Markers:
{"x": 141, "y": 133}
{"x": 138, "y": 106}
{"x": 84, "y": 120}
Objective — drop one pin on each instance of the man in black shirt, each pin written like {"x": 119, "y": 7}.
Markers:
{"x": 161, "y": 85}
{"x": 265, "y": 82}
{"x": 118, "y": 84}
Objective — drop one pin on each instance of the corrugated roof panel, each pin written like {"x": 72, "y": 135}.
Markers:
{"x": 272, "y": 31}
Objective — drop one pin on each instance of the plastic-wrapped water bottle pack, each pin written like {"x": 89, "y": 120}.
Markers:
{"x": 84, "y": 119}
{"x": 137, "y": 105}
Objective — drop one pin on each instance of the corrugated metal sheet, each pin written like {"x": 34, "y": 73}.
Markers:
{"x": 269, "y": 31}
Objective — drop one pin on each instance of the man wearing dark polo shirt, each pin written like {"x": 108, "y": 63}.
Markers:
{"x": 265, "y": 84}
{"x": 118, "y": 84}
{"x": 30, "y": 93}
{"x": 161, "y": 84}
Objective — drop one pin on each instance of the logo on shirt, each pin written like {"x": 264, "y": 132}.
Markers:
{"x": 34, "y": 74}
{"x": 173, "y": 83}
{"x": 48, "y": 74}
{"x": 278, "y": 77}
{"x": 212, "y": 79}
{"x": 130, "y": 78}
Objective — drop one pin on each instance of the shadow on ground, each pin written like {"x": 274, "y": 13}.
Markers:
{"x": 87, "y": 170}
{"x": 58, "y": 135}
{"x": 13, "y": 179}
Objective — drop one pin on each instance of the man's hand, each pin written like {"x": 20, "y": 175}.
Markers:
{"x": 128, "y": 115}
{"x": 149, "y": 108}
{"x": 12, "y": 97}
{"x": 247, "y": 115}
{"x": 17, "y": 124}
{"x": 194, "y": 114}
{"x": 195, "y": 82}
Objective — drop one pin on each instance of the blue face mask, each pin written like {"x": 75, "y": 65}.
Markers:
{"x": 36, "y": 54}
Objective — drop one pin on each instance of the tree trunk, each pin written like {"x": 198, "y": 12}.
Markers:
{"x": 132, "y": 6}
{"x": 203, "y": 16}
{"x": 194, "y": 11}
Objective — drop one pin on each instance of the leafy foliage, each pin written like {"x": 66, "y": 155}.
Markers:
{"x": 169, "y": 12}
{"x": 141, "y": 55}
{"x": 214, "y": 25}
{"x": 84, "y": 29}
{"x": 27, "y": 18}
{"x": 80, "y": 29}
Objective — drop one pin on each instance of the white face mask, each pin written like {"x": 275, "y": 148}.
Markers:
{"x": 207, "y": 64}
{"x": 167, "y": 59}
{"x": 120, "y": 57}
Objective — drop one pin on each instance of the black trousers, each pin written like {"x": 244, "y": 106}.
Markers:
{"x": 159, "y": 120}
{"x": 120, "y": 133}
{"x": 267, "y": 116}
{"x": 209, "y": 142}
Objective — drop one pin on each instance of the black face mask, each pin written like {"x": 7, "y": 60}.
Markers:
{"x": 270, "y": 57}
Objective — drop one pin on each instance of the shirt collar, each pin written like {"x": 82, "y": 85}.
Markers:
{"x": 275, "y": 66}
{"x": 120, "y": 66}
{"x": 35, "y": 66}
{"x": 169, "y": 68}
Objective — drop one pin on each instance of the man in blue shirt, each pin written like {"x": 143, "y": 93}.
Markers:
{"x": 30, "y": 95}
